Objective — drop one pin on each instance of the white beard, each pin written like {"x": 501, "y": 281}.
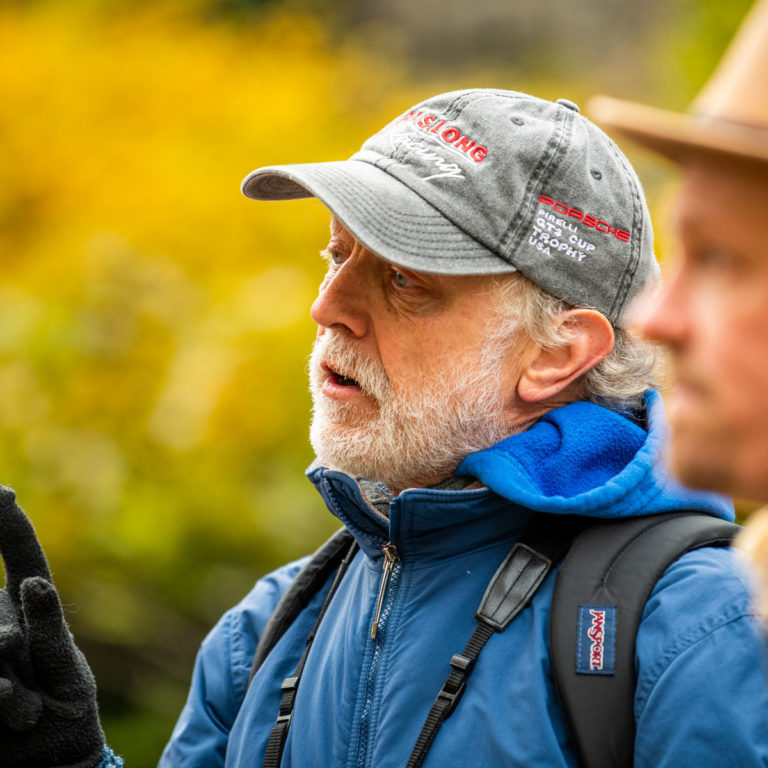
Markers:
{"x": 406, "y": 436}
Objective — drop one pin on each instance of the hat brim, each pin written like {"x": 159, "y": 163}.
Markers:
{"x": 385, "y": 215}
{"x": 679, "y": 136}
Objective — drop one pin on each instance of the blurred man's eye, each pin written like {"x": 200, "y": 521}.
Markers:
{"x": 714, "y": 257}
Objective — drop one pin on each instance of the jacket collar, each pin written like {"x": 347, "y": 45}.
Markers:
{"x": 580, "y": 459}
{"x": 423, "y": 523}
{"x": 584, "y": 459}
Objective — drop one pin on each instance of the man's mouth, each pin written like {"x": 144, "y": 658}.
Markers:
{"x": 339, "y": 378}
{"x": 344, "y": 381}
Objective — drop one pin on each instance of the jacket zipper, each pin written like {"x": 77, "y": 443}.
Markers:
{"x": 390, "y": 557}
{"x": 384, "y": 604}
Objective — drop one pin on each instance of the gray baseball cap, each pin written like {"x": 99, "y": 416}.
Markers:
{"x": 487, "y": 181}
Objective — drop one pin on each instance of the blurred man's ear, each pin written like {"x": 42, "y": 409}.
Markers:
{"x": 551, "y": 371}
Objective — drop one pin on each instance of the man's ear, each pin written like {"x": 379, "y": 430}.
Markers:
{"x": 550, "y": 371}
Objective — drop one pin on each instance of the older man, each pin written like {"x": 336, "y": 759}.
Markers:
{"x": 471, "y": 369}
{"x": 713, "y": 311}
{"x": 474, "y": 387}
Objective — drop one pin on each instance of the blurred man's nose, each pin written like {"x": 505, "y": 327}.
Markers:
{"x": 659, "y": 313}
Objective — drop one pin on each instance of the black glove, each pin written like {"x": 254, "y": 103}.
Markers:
{"x": 48, "y": 712}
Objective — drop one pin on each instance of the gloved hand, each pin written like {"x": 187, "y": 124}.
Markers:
{"x": 48, "y": 712}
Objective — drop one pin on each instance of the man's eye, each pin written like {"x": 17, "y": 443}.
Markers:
{"x": 335, "y": 257}
{"x": 401, "y": 281}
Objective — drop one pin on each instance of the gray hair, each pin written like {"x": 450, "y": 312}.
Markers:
{"x": 617, "y": 382}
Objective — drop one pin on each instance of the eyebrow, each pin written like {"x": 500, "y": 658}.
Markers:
{"x": 692, "y": 227}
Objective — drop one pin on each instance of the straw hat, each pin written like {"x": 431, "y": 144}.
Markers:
{"x": 730, "y": 115}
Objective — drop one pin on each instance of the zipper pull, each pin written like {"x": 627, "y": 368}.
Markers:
{"x": 390, "y": 555}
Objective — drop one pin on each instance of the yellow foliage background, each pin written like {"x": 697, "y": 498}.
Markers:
{"x": 153, "y": 322}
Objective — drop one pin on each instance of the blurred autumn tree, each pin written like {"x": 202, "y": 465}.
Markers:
{"x": 153, "y": 323}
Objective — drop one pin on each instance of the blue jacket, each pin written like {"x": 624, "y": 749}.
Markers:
{"x": 702, "y": 692}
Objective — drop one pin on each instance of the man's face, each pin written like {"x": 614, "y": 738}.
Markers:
{"x": 410, "y": 371}
{"x": 713, "y": 315}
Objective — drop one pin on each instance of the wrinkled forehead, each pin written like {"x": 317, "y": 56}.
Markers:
{"x": 338, "y": 230}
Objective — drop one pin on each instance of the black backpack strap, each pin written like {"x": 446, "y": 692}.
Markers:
{"x": 308, "y": 582}
{"x": 331, "y": 552}
{"x": 600, "y": 593}
{"x": 510, "y": 590}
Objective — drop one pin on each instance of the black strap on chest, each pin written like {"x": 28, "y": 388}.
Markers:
{"x": 338, "y": 551}
{"x": 510, "y": 590}
{"x": 308, "y": 582}
{"x": 615, "y": 564}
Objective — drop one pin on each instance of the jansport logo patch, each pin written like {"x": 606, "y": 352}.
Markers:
{"x": 596, "y": 633}
{"x": 596, "y": 647}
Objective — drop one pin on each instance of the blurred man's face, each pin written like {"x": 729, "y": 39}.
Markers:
{"x": 409, "y": 373}
{"x": 713, "y": 315}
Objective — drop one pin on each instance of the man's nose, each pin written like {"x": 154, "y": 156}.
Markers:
{"x": 343, "y": 299}
{"x": 661, "y": 315}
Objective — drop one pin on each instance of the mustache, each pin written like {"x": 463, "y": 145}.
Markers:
{"x": 344, "y": 358}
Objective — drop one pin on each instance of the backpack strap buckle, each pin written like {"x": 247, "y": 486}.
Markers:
{"x": 453, "y": 688}
{"x": 284, "y": 720}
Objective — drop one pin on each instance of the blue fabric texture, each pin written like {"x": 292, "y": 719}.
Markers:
{"x": 584, "y": 459}
{"x": 109, "y": 759}
{"x": 702, "y": 692}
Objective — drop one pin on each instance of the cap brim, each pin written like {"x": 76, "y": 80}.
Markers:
{"x": 384, "y": 214}
{"x": 677, "y": 135}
